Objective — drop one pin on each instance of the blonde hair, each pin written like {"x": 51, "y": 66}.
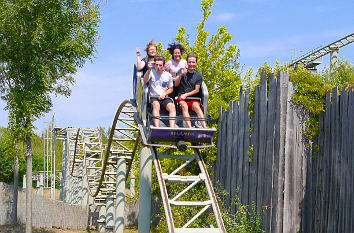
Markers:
{"x": 150, "y": 44}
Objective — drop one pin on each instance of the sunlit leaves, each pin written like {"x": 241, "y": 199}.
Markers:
{"x": 42, "y": 44}
{"x": 217, "y": 61}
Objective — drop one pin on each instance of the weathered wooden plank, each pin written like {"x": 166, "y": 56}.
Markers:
{"x": 336, "y": 160}
{"x": 350, "y": 146}
{"x": 289, "y": 189}
{"x": 223, "y": 150}
{"x": 275, "y": 158}
{"x": 299, "y": 176}
{"x": 282, "y": 93}
{"x": 269, "y": 143}
{"x": 326, "y": 167}
{"x": 240, "y": 136}
{"x": 246, "y": 144}
{"x": 254, "y": 156}
{"x": 219, "y": 144}
{"x": 332, "y": 162}
{"x": 261, "y": 151}
{"x": 234, "y": 153}
{"x": 342, "y": 169}
{"x": 308, "y": 205}
{"x": 228, "y": 153}
{"x": 319, "y": 179}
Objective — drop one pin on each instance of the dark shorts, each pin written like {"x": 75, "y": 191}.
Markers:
{"x": 163, "y": 103}
{"x": 189, "y": 102}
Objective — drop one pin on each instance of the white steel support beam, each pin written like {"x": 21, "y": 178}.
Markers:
{"x": 333, "y": 58}
{"x": 41, "y": 184}
{"x": 145, "y": 190}
{"x": 102, "y": 219}
{"x": 110, "y": 213}
{"x": 132, "y": 184}
{"x": 120, "y": 196}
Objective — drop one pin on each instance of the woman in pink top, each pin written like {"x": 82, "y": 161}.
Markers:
{"x": 177, "y": 63}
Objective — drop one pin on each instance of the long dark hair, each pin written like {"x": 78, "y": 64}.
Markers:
{"x": 173, "y": 46}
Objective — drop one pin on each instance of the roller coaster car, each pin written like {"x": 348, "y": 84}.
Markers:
{"x": 197, "y": 135}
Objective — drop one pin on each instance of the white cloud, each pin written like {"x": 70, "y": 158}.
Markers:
{"x": 141, "y": 0}
{"x": 93, "y": 102}
{"x": 223, "y": 17}
{"x": 255, "y": 1}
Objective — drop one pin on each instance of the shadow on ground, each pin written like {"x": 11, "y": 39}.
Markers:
{"x": 21, "y": 228}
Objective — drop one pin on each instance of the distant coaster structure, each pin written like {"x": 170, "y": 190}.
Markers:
{"x": 309, "y": 59}
{"x": 95, "y": 172}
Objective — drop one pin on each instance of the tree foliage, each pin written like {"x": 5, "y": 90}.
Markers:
{"x": 217, "y": 60}
{"x": 7, "y": 150}
{"x": 311, "y": 88}
{"x": 341, "y": 75}
{"x": 42, "y": 43}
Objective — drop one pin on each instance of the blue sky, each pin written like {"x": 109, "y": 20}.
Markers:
{"x": 264, "y": 31}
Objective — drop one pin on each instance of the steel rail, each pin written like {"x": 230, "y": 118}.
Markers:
{"x": 322, "y": 51}
{"x": 76, "y": 142}
{"x": 109, "y": 144}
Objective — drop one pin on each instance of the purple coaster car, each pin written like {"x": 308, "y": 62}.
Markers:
{"x": 187, "y": 134}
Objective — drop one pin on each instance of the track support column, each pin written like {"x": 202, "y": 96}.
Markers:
{"x": 145, "y": 190}
{"x": 41, "y": 184}
{"x": 102, "y": 219}
{"x": 109, "y": 213}
{"x": 120, "y": 196}
{"x": 333, "y": 58}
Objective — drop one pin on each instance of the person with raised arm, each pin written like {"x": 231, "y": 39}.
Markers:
{"x": 160, "y": 86}
{"x": 189, "y": 82}
{"x": 151, "y": 51}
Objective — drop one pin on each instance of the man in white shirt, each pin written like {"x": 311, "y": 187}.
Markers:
{"x": 161, "y": 85}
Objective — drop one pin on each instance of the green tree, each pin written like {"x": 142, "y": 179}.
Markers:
{"x": 42, "y": 44}
{"x": 217, "y": 60}
{"x": 342, "y": 75}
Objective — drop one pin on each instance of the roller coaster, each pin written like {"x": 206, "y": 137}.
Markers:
{"x": 106, "y": 166}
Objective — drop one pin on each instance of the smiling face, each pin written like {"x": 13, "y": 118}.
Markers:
{"x": 191, "y": 62}
{"x": 177, "y": 55}
{"x": 152, "y": 51}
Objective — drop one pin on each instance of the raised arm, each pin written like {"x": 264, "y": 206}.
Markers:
{"x": 139, "y": 63}
{"x": 179, "y": 77}
{"x": 147, "y": 74}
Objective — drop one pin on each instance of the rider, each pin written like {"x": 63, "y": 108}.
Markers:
{"x": 177, "y": 63}
{"x": 189, "y": 83}
{"x": 151, "y": 50}
{"x": 161, "y": 85}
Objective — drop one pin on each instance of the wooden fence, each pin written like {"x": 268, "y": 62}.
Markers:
{"x": 270, "y": 164}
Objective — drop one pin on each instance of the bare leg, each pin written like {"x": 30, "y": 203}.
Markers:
{"x": 196, "y": 108}
{"x": 156, "y": 112}
{"x": 172, "y": 113}
{"x": 185, "y": 113}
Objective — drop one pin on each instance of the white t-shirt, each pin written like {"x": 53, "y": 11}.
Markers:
{"x": 174, "y": 67}
{"x": 159, "y": 83}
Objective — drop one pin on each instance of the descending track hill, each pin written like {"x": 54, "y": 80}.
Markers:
{"x": 100, "y": 164}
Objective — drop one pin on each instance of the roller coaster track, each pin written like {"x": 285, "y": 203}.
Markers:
{"x": 313, "y": 55}
{"x": 86, "y": 148}
{"x": 87, "y": 153}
